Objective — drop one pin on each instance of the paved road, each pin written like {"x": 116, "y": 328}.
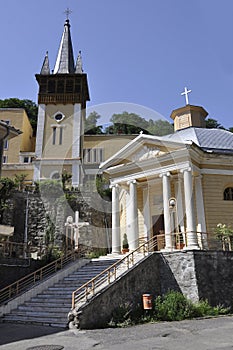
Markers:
{"x": 204, "y": 334}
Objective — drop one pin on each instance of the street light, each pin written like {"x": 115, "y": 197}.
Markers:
{"x": 174, "y": 218}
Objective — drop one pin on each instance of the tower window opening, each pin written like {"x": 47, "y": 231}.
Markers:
{"x": 60, "y": 137}
{"x": 228, "y": 194}
{"x": 54, "y": 135}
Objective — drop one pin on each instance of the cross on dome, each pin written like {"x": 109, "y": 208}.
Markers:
{"x": 186, "y": 92}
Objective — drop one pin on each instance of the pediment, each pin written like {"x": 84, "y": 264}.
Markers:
{"x": 145, "y": 153}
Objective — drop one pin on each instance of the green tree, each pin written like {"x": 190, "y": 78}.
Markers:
{"x": 160, "y": 127}
{"x": 127, "y": 123}
{"x": 213, "y": 124}
{"x": 30, "y": 107}
{"x": 231, "y": 129}
{"x": 6, "y": 187}
{"x": 20, "y": 181}
{"x": 91, "y": 127}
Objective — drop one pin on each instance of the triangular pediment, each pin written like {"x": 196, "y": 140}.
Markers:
{"x": 141, "y": 149}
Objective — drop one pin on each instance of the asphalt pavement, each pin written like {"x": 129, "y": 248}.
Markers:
{"x": 202, "y": 334}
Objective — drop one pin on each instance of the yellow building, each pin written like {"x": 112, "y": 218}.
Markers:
{"x": 18, "y": 152}
{"x": 178, "y": 186}
{"x": 60, "y": 143}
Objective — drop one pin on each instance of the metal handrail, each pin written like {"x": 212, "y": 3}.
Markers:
{"x": 109, "y": 275}
{"x": 33, "y": 278}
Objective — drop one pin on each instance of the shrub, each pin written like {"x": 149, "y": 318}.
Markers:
{"x": 174, "y": 306}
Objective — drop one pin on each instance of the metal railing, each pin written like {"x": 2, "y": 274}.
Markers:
{"x": 25, "y": 283}
{"x": 108, "y": 276}
{"x": 11, "y": 249}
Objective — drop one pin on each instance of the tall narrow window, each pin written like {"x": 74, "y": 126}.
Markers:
{"x": 228, "y": 194}
{"x": 94, "y": 155}
{"x": 54, "y": 135}
{"x": 4, "y": 159}
{"x": 6, "y": 144}
{"x": 101, "y": 155}
{"x": 60, "y": 137}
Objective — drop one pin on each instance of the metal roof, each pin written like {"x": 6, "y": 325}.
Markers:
{"x": 216, "y": 140}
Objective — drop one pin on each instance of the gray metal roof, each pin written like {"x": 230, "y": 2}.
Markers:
{"x": 215, "y": 140}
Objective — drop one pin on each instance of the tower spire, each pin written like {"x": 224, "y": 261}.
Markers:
{"x": 45, "y": 67}
{"x": 79, "y": 64}
{"x": 65, "y": 58}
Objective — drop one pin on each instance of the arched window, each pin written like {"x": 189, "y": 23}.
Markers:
{"x": 55, "y": 175}
{"x": 228, "y": 194}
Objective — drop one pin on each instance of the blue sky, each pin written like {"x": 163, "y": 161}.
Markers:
{"x": 134, "y": 51}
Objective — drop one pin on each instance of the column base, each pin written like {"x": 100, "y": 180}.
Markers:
{"x": 192, "y": 247}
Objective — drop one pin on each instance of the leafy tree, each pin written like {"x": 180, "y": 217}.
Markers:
{"x": 65, "y": 179}
{"x": 231, "y": 129}
{"x": 127, "y": 123}
{"x": 30, "y": 107}
{"x": 91, "y": 127}
{"x": 6, "y": 187}
{"x": 20, "y": 181}
{"x": 213, "y": 124}
{"x": 160, "y": 127}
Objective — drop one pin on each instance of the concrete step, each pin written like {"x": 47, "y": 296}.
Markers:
{"x": 51, "y": 306}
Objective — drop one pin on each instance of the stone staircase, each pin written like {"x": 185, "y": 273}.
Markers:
{"x": 52, "y": 306}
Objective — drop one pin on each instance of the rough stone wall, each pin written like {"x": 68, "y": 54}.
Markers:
{"x": 197, "y": 274}
{"x": 214, "y": 274}
{"x": 57, "y": 210}
{"x": 144, "y": 278}
{"x": 178, "y": 272}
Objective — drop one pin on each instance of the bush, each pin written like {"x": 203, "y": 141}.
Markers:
{"x": 174, "y": 306}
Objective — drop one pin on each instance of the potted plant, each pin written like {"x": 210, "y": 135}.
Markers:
{"x": 125, "y": 244}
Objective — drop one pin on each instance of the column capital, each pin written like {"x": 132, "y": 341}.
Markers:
{"x": 186, "y": 169}
{"x": 165, "y": 174}
{"x": 131, "y": 182}
{"x": 114, "y": 185}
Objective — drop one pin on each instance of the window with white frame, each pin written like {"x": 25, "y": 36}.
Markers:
{"x": 57, "y": 135}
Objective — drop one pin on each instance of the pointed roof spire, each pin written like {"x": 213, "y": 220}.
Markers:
{"x": 65, "y": 58}
{"x": 79, "y": 64}
{"x": 45, "y": 67}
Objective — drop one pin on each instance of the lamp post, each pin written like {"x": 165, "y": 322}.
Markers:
{"x": 174, "y": 219}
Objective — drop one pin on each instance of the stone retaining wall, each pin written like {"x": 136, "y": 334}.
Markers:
{"x": 197, "y": 274}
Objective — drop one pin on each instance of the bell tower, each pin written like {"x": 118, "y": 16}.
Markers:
{"x": 62, "y": 97}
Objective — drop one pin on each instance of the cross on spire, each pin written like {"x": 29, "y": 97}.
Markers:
{"x": 186, "y": 92}
{"x": 67, "y": 12}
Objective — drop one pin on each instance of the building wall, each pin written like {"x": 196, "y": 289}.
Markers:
{"x": 65, "y": 149}
{"x": 22, "y": 143}
{"x": 109, "y": 143}
{"x": 217, "y": 210}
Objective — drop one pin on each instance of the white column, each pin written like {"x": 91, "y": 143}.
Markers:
{"x": 116, "y": 239}
{"x": 192, "y": 242}
{"x": 77, "y": 125}
{"x": 146, "y": 213}
{"x": 40, "y": 131}
{"x": 179, "y": 200}
{"x": 201, "y": 223}
{"x": 76, "y": 173}
{"x": 133, "y": 216}
{"x": 166, "y": 211}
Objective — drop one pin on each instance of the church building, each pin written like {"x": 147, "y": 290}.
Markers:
{"x": 176, "y": 188}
